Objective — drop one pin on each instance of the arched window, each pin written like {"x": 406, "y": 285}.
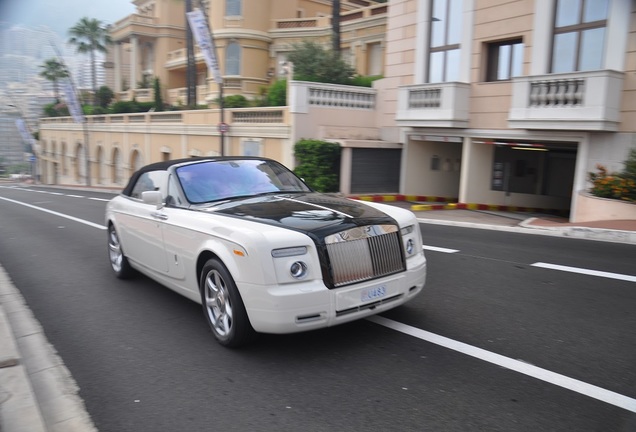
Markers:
{"x": 98, "y": 165}
{"x": 116, "y": 167}
{"x": 135, "y": 161}
{"x": 233, "y": 7}
{"x": 233, "y": 59}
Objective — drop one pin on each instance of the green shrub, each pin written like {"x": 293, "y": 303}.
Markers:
{"x": 123, "y": 107}
{"x": 364, "y": 81}
{"x": 128, "y": 107}
{"x": 93, "y": 110}
{"x": 235, "y": 101}
{"x": 318, "y": 164}
{"x": 144, "y": 106}
{"x": 56, "y": 110}
{"x": 277, "y": 93}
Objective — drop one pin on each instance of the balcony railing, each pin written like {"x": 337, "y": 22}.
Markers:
{"x": 261, "y": 115}
{"x": 367, "y": 10}
{"x": 178, "y": 58}
{"x": 318, "y": 95}
{"x": 572, "y": 101}
{"x": 132, "y": 20}
{"x": 433, "y": 105}
{"x": 141, "y": 95}
{"x": 179, "y": 96}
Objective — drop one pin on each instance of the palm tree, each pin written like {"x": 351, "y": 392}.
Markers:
{"x": 90, "y": 36}
{"x": 53, "y": 70}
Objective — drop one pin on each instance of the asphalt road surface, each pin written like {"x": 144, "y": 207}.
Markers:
{"x": 514, "y": 332}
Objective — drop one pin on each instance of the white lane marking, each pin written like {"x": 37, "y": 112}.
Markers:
{"x": 439, "y": 249}
{"x": 56, "y": 193}
{"x": 91, "y": 224}
{"x": 608, "y": 275}
{"x": 568, "y": 383}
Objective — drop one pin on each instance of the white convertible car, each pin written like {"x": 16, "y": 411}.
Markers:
{"x": 259, "y": 249}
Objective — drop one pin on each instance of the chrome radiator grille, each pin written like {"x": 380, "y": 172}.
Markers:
{"x": 364, "y": 253}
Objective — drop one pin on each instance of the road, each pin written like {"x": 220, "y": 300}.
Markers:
{"x": 500, "y": 340}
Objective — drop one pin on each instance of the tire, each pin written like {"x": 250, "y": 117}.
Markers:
{"x": 223, "y": 307}
{"x": 118, "y": 261}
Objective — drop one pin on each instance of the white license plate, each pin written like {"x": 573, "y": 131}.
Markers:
{"x": 373, "y": 293}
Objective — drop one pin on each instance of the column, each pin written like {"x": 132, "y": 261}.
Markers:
{"x": 134, "y": 62}
{"x": 117, "y": 67}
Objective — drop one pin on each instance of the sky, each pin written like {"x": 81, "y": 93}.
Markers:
{"x": 60, "y": 15}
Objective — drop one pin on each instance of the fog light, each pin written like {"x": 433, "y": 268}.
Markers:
{"x": 410, "y": 246}
{"x": 298, "y": 270}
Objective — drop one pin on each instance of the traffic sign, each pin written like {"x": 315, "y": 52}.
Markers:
{"x": 224, "y": 127}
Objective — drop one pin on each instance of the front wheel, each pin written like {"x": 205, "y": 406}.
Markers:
{"x": 223, "y": 307}
{"x": 118, "y": 261}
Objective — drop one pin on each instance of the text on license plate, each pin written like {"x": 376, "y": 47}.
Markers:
{"x": 373, "y": 293}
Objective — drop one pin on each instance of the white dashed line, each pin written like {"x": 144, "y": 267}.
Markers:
{"x": 588, "y": 272}
{"x": 91, "y": 224}
{"x": 439, "y": 249}
{"x": 568, "y": 383}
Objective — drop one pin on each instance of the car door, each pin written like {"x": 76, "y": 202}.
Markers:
{"x": 141, "y": 225}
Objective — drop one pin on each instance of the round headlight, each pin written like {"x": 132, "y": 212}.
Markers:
{"x": 410, "y": 246}
{"x": 298, "y": 270}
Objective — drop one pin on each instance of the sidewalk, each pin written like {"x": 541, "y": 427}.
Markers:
{"x": 38, "y": 394}
{"x": 616, "y": 231}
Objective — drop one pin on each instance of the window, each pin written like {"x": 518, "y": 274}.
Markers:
{"x": 251, "y": 148}
{"x": 376, "y": 54}
{"x": 446, "y": 32}
{"x": 579, "y": 35}
{"x": 149, "y": 181}
{"x": 505, "y": 60}
{"x": 233, "y": 59}
{"x": 232, "y": 7}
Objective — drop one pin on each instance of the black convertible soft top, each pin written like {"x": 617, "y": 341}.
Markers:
{"x": 164, "y": 165}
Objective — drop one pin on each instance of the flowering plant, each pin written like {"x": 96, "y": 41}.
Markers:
{"x": 621, "y": 186}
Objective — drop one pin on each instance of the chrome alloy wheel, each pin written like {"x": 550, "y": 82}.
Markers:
{"x": 218, "y": 305}
{"x": 114, "y": 250}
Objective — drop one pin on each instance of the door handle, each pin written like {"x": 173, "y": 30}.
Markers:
{"x": 160, "y": 216}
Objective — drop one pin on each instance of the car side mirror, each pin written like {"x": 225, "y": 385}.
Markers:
{"x": 153, "y": 198}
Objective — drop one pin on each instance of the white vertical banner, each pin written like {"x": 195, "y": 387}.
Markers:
{"x": 26, "y": 136}
{"x": 203, "y": 36}
{"x": 72, "y": 103}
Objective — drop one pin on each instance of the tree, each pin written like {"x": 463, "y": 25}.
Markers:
{"x": 314, "y": 63}
{"x": 104, "y": 96}
{"x": 53, "y": 70}
{"x": 90, "y": 36}
{"x": 158, "y": 98}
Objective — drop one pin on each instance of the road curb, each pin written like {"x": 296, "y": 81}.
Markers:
{"x": 38, "y": 393}
{"x": 586, "y": 233}
{"x": 525, "y": 227}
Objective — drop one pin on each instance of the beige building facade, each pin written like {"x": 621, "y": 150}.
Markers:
{"x": 495, "y": 102}
{"x": 510, "y": 103}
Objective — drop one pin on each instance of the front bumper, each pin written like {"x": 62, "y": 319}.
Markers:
{"x": 310, "y": 305}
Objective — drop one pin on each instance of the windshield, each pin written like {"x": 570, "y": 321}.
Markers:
{"x": 219, "y": 180}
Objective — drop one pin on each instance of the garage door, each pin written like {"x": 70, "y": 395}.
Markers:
{"x": 375, "y": 170}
